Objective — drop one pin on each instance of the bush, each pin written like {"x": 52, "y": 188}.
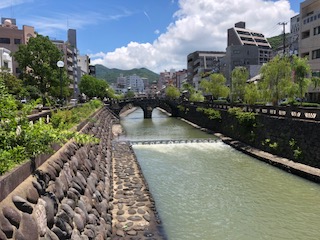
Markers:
{"x": 210, "y": 112}
{"x": 247, "y": 119}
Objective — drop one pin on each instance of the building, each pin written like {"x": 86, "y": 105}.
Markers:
{"x": 83, "y": 65}
{"x": 11, "y": 37}
{"x": 135, "y": 83}
{"x": 246, "y": 48}
{"x": 200, "y": 62}
{"x": 309, "y": 44}
{"x": 294, "y": 35}
{"x": 5, "y": 60}
{"x": 70, "y": 53}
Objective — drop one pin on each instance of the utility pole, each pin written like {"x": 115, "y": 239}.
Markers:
{"x": 284, "y": 35}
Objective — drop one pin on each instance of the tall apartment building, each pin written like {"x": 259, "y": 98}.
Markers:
{"x": 11, "y": 37}
{"x": 246, "y": 48}
{"x": 294, "y": 35}
{"x": 83, "y": 65}
{"x": 135, "y": 83}
{"x": 309, "y": 40}
{"x": 200, "y": 62}
{"x": 70, "y": 53}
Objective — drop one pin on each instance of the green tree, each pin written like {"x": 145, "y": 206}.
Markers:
{"x": 197, "y": 97}
{"x": 93, "y": 87}
{"x": 239, "y": 78}
{"x": 315, "y": 81}
{"x": 38, "y": 61}
{"x": 301, "y": 70}
{"x": 215, "y": 85}
{"x": 276, "y": 79}
{"x": 13, "y": 84}
{"x": 172, "y": 92}
{"x": 251, "y": 93}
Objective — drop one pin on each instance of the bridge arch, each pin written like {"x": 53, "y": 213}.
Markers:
{"x": 146, "y": 104}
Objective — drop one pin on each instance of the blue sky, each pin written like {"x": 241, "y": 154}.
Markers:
{"x": 156, "y": 34}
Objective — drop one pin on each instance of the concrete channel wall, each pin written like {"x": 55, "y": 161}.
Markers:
{"x": 72, "y": 195}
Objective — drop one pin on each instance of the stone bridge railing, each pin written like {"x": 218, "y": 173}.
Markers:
{"x": 294, "y": 112}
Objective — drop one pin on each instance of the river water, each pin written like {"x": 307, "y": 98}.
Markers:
{"x": 211, "y": 191}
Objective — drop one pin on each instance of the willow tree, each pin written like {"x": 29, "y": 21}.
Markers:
{"x": 239, "y": 79}
{"x": 301, "y": 70}
{"x": 276, "y": 80}
{"x": 215, "y": 85}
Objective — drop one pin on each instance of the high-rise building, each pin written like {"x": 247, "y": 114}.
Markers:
{"x": 246, "y": 48}
{"x": 309, "y": 44}
{"x": 200, "y": 62}
{"x": 70, "y": 53}
{"x": 11, "y": 37}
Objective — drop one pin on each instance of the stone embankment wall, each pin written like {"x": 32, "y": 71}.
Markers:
{"x": 70, "y": 196}
{"x": 289, "y": 138}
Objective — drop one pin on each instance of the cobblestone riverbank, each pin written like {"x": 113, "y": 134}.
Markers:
{"x": 94, "y": 191}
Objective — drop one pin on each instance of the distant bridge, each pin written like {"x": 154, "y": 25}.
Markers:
{"x": 147, "y": 105}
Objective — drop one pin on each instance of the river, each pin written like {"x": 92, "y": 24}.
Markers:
{"x": 212, "y": 191}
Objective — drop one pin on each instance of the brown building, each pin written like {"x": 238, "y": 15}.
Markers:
{"x": 11, "y": 37}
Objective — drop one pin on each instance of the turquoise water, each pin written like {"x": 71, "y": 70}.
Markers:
{"x": 211, "y": 191}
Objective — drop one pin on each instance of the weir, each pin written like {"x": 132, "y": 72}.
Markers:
{"x": 179, "y": 141}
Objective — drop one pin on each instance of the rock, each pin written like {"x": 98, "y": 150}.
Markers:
{"x": 132, "y": 233}
{"x": 38, "y": 187}
{"x": 135, "y": 218}
{"x": 67, "y": 209}
{"x": 12, "y": 215}
{"x": 147, "y": 217}
{"x": 51, "y": 235}
{"x": 61, "y": 234}
{"x": 17, "y": 235}
{"x": 28, "y": 227}
{"x": 50, "y": 210}
{"x": 32, "y": 194}
{"x": 59, "y": 189}
{"x": 6, "y": 226}
{"x": 22, "y": 204}
{"x": 120, "y": 233}
{"x": 40, "y": 216}
{"x": 79, "y": 222}
{"x": 2, "y": 235}
{"x": 76, "y": 235}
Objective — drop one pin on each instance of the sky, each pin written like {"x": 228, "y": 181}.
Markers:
{"x": 154, "y": 34}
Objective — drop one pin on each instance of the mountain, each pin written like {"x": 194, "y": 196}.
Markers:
{"x": 111, "y": 74}
{"x": 277, "y": 41}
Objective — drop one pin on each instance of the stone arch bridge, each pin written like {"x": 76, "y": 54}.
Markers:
{"x": 147, "y": 105}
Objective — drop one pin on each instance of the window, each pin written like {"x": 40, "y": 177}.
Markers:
{"x": 17, "y": 41}
{"x": 316, "y": 30}
{"x": 5, "y": 65}
{"x": 316, "y": 54}
{"x": 5, "y": 40}
{"x": 305, "y": 54}
{"x": 305, "y": 34}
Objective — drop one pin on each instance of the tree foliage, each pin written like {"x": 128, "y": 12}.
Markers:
{"x": 240, "y": 76}
{"x": 38, "y": 62}
{"x": 301, "y": 70}
{"x": 252, "y": 93}
{"x": 215, "y": 85}
{"x": 172, "y": 92}
{"x": 276, "y": 81}
{"x": 93, "y": 87}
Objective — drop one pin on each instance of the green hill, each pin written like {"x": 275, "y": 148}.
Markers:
{"x": 111, "y": 74}
{"x": 277, "y": 41}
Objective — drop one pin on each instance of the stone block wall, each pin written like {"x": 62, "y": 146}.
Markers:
{"x": 68, "y": 197}
{"x": 294, "y": 139}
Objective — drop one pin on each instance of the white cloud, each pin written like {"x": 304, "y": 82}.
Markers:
{"x": 10, "y": 3}
{"x": 198, "y": 25}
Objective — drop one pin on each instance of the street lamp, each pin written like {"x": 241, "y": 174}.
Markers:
{"x": 60, "y": 65}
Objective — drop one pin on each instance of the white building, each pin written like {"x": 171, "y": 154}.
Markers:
{"x": 5, "y": 60}
{"x": 135, "y": 83}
